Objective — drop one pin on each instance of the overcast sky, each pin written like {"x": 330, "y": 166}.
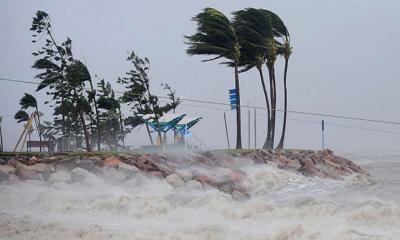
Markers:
{"x": 345, "y": 62}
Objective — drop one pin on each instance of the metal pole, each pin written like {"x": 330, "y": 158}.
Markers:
{"x": 1, "y": 136}
{"x": 255, "y": 129}
{"x": 226, "y": 132}
{"x": 248, "y": 123}
{"x": 323, "y": 134}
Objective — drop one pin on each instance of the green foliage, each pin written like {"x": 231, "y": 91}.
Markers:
{"x": 215, "y": 36}
{"x": 28, "y": 101}
{"x": 21, "y": 116}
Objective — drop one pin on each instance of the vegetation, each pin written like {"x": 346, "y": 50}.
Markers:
{"x": 216, "y": 36}
{"x": 253, "y": 38}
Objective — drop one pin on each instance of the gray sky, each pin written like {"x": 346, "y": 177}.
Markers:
{"x": 345, "y": 61}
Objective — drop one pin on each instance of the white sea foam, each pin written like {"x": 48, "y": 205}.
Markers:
{"x": 283, "y": 205}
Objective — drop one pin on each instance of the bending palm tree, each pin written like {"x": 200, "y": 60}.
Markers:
{"x": 28, "y": 101}
{"x": 216, "y": 36}
{"x": 287, "y": 51}
{"x": 254, "y": 29}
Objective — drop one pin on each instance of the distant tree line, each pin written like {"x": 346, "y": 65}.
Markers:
{"x": 252, "y": 39}
{"x": 92, "y": 115}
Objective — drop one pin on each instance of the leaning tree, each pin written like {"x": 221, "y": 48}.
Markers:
{"x": 216, "y": 36}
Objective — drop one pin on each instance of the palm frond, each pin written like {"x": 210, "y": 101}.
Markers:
{"x": 28, "y": 101}
{"x": 21, "y": 116}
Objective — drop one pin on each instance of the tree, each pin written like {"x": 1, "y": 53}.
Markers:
{"x": 216, "y": 36}
{"x": 175, "y": 101}
{"x": 26, "y": 102}
{"x": 138, "y": 95}
{"x": 64, "y": 76}
{"x": 110, "y": 119}
{"x": 287, "y": 51}
{"x": 254, "y": 29}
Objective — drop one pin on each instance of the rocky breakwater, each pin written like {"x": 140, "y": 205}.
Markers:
{"x": 217, "y": 169}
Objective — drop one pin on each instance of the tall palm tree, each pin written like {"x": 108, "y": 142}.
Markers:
{"x": 29, "y": 101}
{"x": 216, "y": 36}
{"x": 286, "y": 52}
{"x": 254, "y": 29}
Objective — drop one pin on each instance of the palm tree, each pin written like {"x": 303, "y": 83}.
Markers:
{"x": 29, "y": 101}
{"x": 287, "y": 51}
{"x": 216, "y": 36}
{"x": 254, "y": 29}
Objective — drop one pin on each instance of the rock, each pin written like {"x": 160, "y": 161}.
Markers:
{"x": 203, "y": 179}
{"x": 175, "y": 181}
{"x": 59, "y": 176}
{"x": 3, "y": 161}
{"x": 13, "y": 162}
{"x": 113, "y": 175}
{"x": 156, "y": 173}
{"x": 238, "y": 196}
{"x": 26, "y": 174}
{"x": 44, "y": 169}
{"x": 185, "y": 174}
{"x": 32, "y": 160}
{"x": 3, "y": 176}
{"x": 112, "y": 161}
{"x": 8, "y": 169}
{"x": 235, "y": 176}
{"x": 85, "y": 164}
{"x": 127, "y": 169}
{"x": 13, "y": 179}
{"x": 194, "y": 184}
{"x": 86, "y": 178}
{"x": 66, "y": 164}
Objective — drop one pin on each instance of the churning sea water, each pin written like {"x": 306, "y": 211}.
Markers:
{"x": 283, "y": 205}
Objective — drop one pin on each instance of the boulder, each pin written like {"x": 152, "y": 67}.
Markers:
{"x": 85, "y": 164}
{"x": 238, "y": 196}
{"x": 175, "y": 181}
{"x": 113, "y": 175}
{"x": 59, "y": 176}
{"x": 26, "y": 174}
{"x": 44, "y": 169}
{"x": 86, "y": 178}
{"x": 13, "y": 179}
{"x": 185, "y": 174}
{"x": 66, "y": 164}
{"x": 13, "y": 162}
{"x": 32, "y": 160}
{"x": 3, "y": 176}
{"x": 235, "y": 176}
{"x": 194, "y": 184}
{"x": 156, "y": 173}
{"x": 112, "y": 161}
{"x": 8, "y": 169}
{"x": 127, "y": 169}
{"x": 3, "y": 161}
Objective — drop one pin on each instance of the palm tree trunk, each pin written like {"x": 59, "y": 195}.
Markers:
{"x": 39, "y": 129}
{"x": 280, "y": 145}
{"x": 122, "y": 128}
{"x": 267, "y": 139}
{"x": 238, "y": 114}
{"x": 82, "y": 119}
{"x": 97, "y": 116}
{"x": 273, "y": 103}
{"x": 85, "y": 131}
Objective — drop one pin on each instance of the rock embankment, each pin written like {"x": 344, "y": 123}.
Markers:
{"x": 219, "y": 169}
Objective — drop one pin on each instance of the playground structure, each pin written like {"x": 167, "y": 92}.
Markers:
{"x": 28, "y": 129}
{"x": 178, "y": 123}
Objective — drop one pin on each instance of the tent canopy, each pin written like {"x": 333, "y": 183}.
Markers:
{"x": 178, "y": 122}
